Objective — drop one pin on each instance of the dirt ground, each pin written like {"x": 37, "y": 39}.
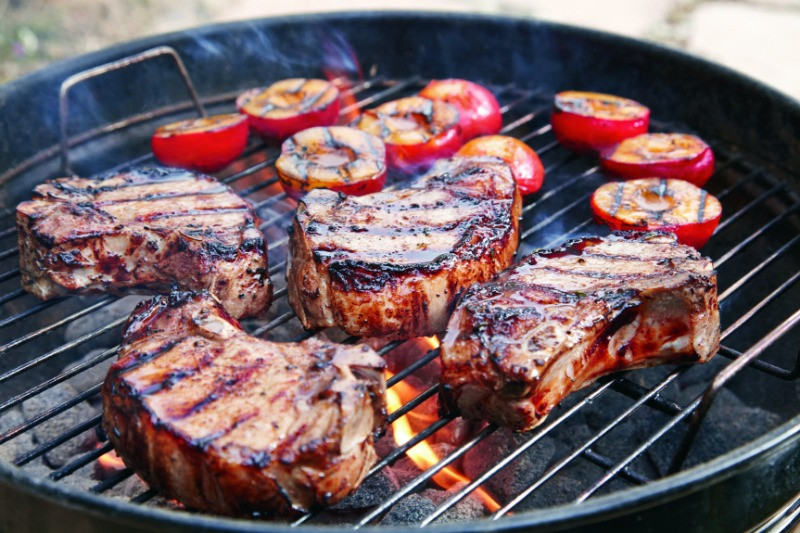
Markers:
{"x": 758, "y": 37}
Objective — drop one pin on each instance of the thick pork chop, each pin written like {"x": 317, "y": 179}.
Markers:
{"x": 233, "y": 424}
{"x": 392, "y": 264}
{"x": 143, "y": 229}
{"x": 559, "y": 319}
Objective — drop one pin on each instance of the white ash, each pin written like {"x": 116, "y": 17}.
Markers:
{"x": 60, "y": 423}
{"x": 372, "y": 492}
{"x": 93, "y": 375}
{"x": 103, "y": 316}
{"x": 406, "y": 470}
{"x": 410, "y": 510}
{"x": 470, "y": 507}
{"x": 20, "y": 444}
{"x": 517, "y": 475}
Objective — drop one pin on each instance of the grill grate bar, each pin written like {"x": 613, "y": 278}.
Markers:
{"x": 781, "y": 373}
{"x": 535, "y": 133}
{"x": 505, "y": 461}
{"x": 552, "y": 192}
{"x": 413, "y": 367}
{"x": 413, "y": 403}
{"x": 760, "y": 305}
{"x": 28, "y": 312}
{"x": 251, "y": 170}
{"x": 45, "y": 447}
{"x": 274, "y": 323}
{"x": 80, "y": 462}
{"x": 55, "y": 325}
{"x": 550, "y": 472}
{"x": 61, "y": 349}
{"x": 605, "y": 462}
{"x": 635, "y": 391}
{"x": 147, "y": 495}
{"x": 761, "y": 266}
{"x": 46, "y": 415}
{"x": 115, "y": 479}
{"x": 425, "y": 476}
{"x": 739, "y": 183}
{"x": 569, "y": 233}
{"x": 63, "y": 376}
{"x": 758, "y": 233}
{"x": 393, "y": 89}
{"x": 5, "y": 254}
{"x": 757, "y": 201}
{"x": 523, "y": 119}
{"x": 14, "y": 272}
{"x": 393, "y": 456}
{"x": 718, "y": 382}
{"x": 13, "y": 295}
{"x": 247, "y": 191}
{"x": 558, "y": 214}
{"x": 277, "y": 219}
{"x": 621, "y": 385}
{"x": 386, "y": 349}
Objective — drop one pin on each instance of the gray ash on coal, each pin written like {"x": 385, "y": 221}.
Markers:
{"x": 410, "y": 510}
{"x": 101, "y": 317}
{"x": 728, "y": 424}
{"x": 470, "y": 507}
{"x": 520, "y": 473}
{"x": 20, "y": 444}
{"x": 372, "y": 492}
{"x": 60, "y": 423}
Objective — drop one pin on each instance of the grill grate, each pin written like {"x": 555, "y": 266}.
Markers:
{"x": 756, "y": 203}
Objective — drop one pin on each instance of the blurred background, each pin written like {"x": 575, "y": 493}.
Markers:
{"x": 758, "y": 37}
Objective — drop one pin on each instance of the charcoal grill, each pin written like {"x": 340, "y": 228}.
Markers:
{"x": 100, "y": 120}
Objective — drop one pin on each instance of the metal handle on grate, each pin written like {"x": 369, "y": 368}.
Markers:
{"x": 723, "y": 377}
{"x": 75, "y": 79}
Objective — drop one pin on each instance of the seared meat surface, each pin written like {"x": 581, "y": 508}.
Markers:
{"x": 233, "y": 424}
{"x": 392, "y": 264}
{"x": 143, "y": 229}
{"x": 559, "y": 319}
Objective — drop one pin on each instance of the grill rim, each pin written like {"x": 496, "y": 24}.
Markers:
{"x": 597, "y": 509}
{"x": 59, "y": 71}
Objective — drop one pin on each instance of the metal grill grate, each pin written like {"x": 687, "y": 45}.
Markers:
{"x": 754, "y": 245}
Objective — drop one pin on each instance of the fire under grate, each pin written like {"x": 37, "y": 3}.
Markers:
{"x": 605, "y": 438}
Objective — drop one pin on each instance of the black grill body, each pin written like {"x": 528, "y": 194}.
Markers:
{"x": 753, "y": 130}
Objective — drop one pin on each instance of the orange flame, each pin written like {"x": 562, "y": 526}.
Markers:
{"x": 347, "y": 99}
{"x": 342, "y": 68}
{"x": 111, "y": 461}
{"x": 422, "y": 454}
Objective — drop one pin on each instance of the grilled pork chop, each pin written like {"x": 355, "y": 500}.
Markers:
{"x": 143, "y": 229}
{"x": 233, "y": 424}
{"x": 392, "y": 264}
{"x": 559, "y": 319}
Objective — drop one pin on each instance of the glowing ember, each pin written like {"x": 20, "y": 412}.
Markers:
{"x": 111, "y": 461}
{"x": 423, "y": 455}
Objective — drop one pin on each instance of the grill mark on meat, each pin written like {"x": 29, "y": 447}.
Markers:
{"x": 161, "y": 196}
{"x": 205, "y": 442}
{"x": 394, "y": 263}
{"x": 173, "y": 229}
{"x": 192, "y": 212}
{"x": 240, "y": 424}
{"x": 143, "y": 358}
{"x": 516, "y": 346}
{"x": 133, "y": 178}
